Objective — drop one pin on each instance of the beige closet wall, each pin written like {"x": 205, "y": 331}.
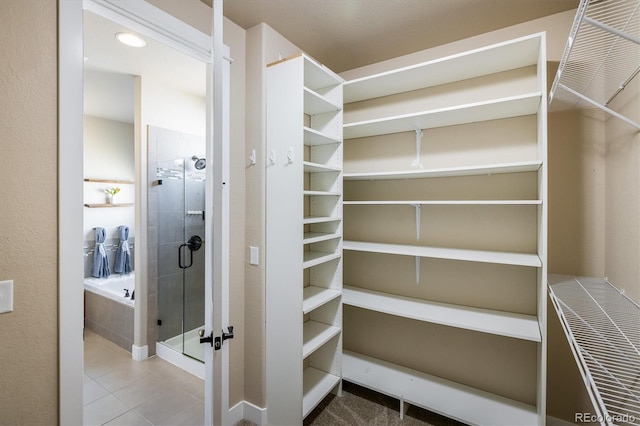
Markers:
{"x": 28, "y": 216}
{"x": 622, "y": 246}
{"x": 264, "y": 45}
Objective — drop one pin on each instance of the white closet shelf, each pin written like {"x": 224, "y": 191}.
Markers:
{"x": 488, "y": 169}
{"x": 310, "y": 167}
{"x": 317, "y": 76}
{"x": 460, "y": 402}
{"x": 314, "y": 103}
{"x": 314, "y": 137}
{"x": 316, "y": 385}
{"x": 446, "y": 203}
{"x": 315, "y": 335}
{"x": 314, "y": 297}
{"x": 512, "y": 106}
{"x": 316, "y": 237}
{"x": 499, "y": 57}
{"x": 333, "y": 193}
{"x": 319, "y": 219}
{"x": 485, "y": 256}
{"x": 314, "y": 258}
{"x": 507, "y": 324}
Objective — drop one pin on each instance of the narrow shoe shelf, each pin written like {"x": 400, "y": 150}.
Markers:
{"x": 315, "y": 335}
{"x": 310, "y": 167}
{"x": 316, "y": 237}
{"x": 319, "y": 219}
{"x": 314, "y": 258}
{"x": 314, "y": 297}
{"x": 316, "y": 385}
{"x": 314, "y": 103}
{"x": 463, "y": 403}
{"x": 314, "y": 137}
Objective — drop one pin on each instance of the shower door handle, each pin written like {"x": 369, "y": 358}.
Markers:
{"x": 181, "y": 263}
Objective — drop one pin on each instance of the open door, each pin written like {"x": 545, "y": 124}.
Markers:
{"x": 217, "y": 230}
{"x": 148, "y": 20}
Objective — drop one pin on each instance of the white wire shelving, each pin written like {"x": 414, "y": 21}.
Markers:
{"x": 602, "y": 326}
{"x": 601, "y": 57}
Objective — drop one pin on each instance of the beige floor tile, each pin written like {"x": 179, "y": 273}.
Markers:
{"x": 195, "y": 387}
{"x": 103, "y": 410}
{"x": 130, "y": 418}
{"x": 126, "y": 374}
{"x": 192, "y": 416}
{"x": 142, "y": 390}
{"x": 166, "y": 370}
{"x": 92, "y": 391}
{"x": 165, "y": 406}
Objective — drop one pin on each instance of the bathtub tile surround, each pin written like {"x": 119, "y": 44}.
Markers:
{"x": 121, "y": 391}
{"x": 110, "y": 319}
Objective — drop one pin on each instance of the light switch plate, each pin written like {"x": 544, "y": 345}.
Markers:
{"x": 6, "y": 296}
{"x": 253, "y": 255}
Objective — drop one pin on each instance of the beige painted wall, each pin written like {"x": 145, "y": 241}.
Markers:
{"x": 264, "y": 45}
{"x": 28, "y": 215}
{"x": 622, "y": 246}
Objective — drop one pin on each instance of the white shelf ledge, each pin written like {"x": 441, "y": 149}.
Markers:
{"x": 507, "y": 324}
{"x": 499, "y": 257}
{"x": 316, "y": 237}
{"x": 477, "y": 170}
{"x": 314, "y": 258}
{"x": 314, "y": 103}
{"x": 315, "y": 335}
{"x": 316, "y": 385}
{"x": 460, "y": 402}
{"x": 333, "y": 193}
{"x": 310, "y": 167}
{"x": 513, "y": 106}
{"x": 446, "y": 203}
{"x": 319, "y": 219}
{"x": 499, "y": 57}
{"x": 317, "y": 76}
{"x": 314, "y": 297}
{"x": 313, "y": 137}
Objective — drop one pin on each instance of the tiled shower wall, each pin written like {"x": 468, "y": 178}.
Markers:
{"x": 169, "y": 225}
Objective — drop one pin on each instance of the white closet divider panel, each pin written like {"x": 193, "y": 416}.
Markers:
{"x": 304, "y": 237}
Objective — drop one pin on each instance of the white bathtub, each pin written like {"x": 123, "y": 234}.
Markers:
{"x": 112, "y": 287}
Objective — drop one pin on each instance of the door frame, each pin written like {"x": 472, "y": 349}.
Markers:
{"x": 148, "y": 20}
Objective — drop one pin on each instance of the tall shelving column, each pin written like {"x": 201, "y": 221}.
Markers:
{"x": 303, "y": 237}
{"x": 445, "y": 233}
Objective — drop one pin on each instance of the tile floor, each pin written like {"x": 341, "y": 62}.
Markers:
{"x": 121, "y": 391}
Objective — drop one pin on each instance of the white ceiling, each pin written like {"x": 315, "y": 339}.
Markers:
{"x": 346, "y": 34}
{"x": 110, "y": 67}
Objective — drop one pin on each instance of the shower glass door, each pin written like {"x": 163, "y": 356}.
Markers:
{"x": 180, "y": 199}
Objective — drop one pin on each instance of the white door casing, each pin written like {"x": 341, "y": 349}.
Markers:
{"x": 154, "y": 23}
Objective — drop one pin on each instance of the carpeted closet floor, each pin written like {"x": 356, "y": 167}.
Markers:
{"x": 361, "y": 406}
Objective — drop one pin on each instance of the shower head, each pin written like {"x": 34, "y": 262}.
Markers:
{"x": 201, "y": 163}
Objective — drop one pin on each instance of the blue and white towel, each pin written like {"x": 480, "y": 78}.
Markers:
{"x": 123, "y": 256}
{"x": 100, "y": 268}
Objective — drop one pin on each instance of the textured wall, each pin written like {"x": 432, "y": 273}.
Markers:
{"x": 28, "y": 212}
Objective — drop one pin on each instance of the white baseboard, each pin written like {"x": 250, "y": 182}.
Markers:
{"x": 139, "y": 353}
{"x": 247, "y": 411}
{"x": 554, "y": 421}
{"x": 176, "y": 358}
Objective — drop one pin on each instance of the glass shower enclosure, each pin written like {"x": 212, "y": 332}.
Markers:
{"x": 179, "y": 203}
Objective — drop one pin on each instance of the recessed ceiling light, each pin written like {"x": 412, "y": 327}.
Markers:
{"x": 131, "y": 40}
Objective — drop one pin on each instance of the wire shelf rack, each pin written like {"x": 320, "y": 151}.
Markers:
{"x": 601, "y": 57}
{"x": 602, "y": 325}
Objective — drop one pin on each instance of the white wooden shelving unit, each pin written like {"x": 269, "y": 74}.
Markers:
{"x": 493, "y": 193}
{"x": 304, "y": 237}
